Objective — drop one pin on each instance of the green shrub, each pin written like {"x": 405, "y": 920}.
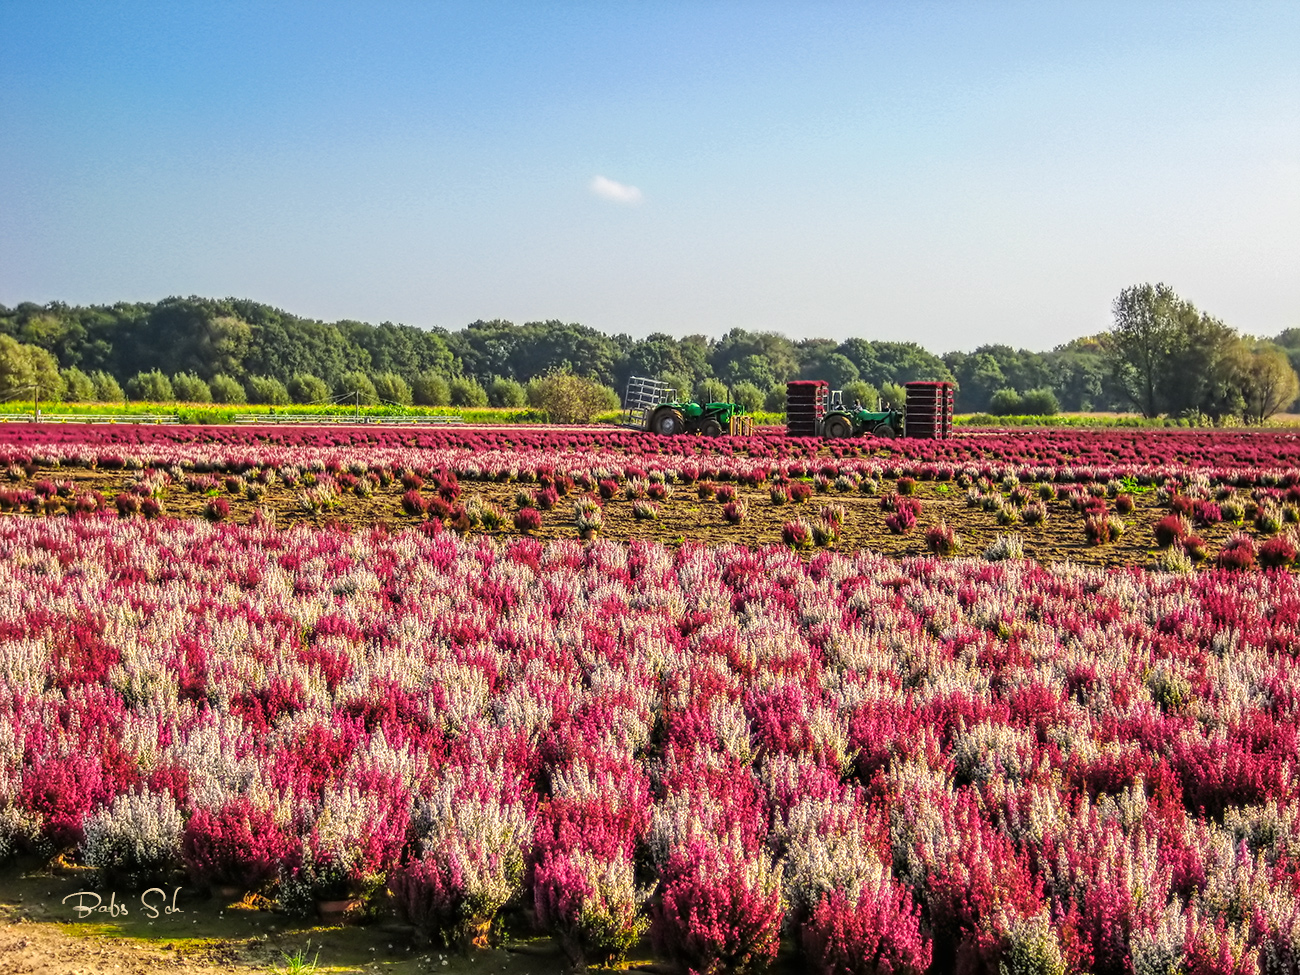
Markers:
{"x": 1039, "y": 402}
{"x": 1005, "y": 402}
{"x": 392, "y": 388}
{"x": 504, "y": 392}
{"x": 356, "y": 387}
{"x": 466, "y": 391}
{"x": 224, "y": 389}
{"x": 266, "y": 389}
{"x": 430, "y": 389}
{"x": 306, "y": 388}
{"x": 189, "y": 388}
{"x": 152, "y": 386}
{"x": 77, "y": 386}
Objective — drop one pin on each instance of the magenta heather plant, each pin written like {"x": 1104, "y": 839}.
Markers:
{"x": 528, "y": 519}
{"x": 413, "y": 502}
{"x": 1238, "y": 552}
{"x": 718, "y": 910}
{"x": 238, "y": 845}
{"x": 872, "y": 931}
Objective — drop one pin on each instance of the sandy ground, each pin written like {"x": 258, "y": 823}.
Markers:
{"x": 40, "y": 933}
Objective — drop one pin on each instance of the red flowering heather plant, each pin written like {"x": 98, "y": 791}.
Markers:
{"x": 1238, "y": 552}
{"x": 608, "y": 489}
{"x": 528, "y": 519}
{"x": 871, "y": 931}
{"x": 1278, "y": 552}
{"x": 238, "y": 845}
{"x": 800, "y": 491}
{"x": 1124, "y": 504}
{"x": 901, "y": 521}
{"x": 718, "y": 910}
{"x": 127, "y": 504}
{"x": 1102, "y": 528}
{"x": 907, "y": 485}
{"x": 545, "y": 499}
{"x": 797, "y": 534}
{"x": 734, "y": 512}
{"x": 941, "y": 539}
{"x": 216, "y": 509}
{"x": 413, "y": 502}
{"x": 1171, "y": 529}
{"x": 725, "y": 493}
{"x": 706, "y": 490}
{"x": 1195, "y": 547}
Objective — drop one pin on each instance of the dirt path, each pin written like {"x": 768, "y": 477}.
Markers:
{"x": 41, "y": 934}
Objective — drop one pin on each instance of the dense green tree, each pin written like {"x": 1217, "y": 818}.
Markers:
{"x": 748, "y": 395}
{"x": 566, "y": 398}
{"x": 775, "y": 398}
{"x": 504, "y": 392}
{"x": 1039, "y": 402}
{"x": 77, "y": 386}
{"x": 152, "y": 386}
{"x": 1005, "y": 402}
{"x": 1264, "y": 378}
{"x": 760, "y": 358}
{"x": 711, "y": 391}
{"x": 107, "y": 389}
{"x": 861, "y": 392}
{"x": 266, "y": 390}
{"x": 303, "y": 387}
{"x": 28, "y": 370}
{"x": 189, "y": 388}
{"x": 227, "y": 390}
{"x": 355, "y": 387}
{"x": 430, "y": 389}
{"x": 467, "y": 392}
{"x": 392, "y": 388}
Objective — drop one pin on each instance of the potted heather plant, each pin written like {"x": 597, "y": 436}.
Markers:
{"x": 235, "y": 848}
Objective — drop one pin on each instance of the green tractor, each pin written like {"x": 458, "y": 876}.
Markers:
{"x": 652, "y": 405}
{"x": 842, "y": 421}
{"x": 813, "y": 409}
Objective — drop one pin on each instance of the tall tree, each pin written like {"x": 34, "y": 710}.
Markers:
{"x": 1141, "y": 340}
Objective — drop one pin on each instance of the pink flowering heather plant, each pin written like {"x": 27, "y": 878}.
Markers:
{"x": 718, "y": 911}
{"x": 238, "y": 845}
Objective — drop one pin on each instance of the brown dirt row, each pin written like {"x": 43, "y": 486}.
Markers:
{"x": 684, "y": 517}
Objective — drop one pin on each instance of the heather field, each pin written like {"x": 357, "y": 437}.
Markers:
{"x": 1010, "y": 702}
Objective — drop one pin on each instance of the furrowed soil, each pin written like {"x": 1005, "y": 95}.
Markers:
{"x": 684, "y": 517}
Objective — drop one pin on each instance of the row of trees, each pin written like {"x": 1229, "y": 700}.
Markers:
{"x": 1162, "y": 356}
{"x": 1171, "y": 358}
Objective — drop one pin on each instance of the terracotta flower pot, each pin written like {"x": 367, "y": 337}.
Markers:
{"x": 337, "y": 911}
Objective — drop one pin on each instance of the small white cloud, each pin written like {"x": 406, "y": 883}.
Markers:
{"x": 608, "y": 189}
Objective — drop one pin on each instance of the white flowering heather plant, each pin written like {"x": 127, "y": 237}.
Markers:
{"x": 135, "y": 840}
{"x": 1004, "y": 547}
{"x": 592, "y": 906}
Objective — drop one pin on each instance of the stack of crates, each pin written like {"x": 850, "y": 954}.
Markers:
{"x": 805, "y": 405}
{"x": 928, "y": 414}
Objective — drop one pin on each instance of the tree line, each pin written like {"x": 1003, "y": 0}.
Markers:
{"x": 1162, "y": 356}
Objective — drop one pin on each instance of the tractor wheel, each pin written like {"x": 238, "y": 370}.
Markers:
{"x": 839, "y": 427}
{"x": 668, "y": 423}
{"x": 711, "y": 428}
{"x": 884, "y": 430}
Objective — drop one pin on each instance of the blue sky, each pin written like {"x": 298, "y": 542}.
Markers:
{"x": 949, "y": 173}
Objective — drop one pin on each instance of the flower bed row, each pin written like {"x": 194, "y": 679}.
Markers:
{"x": 1110, "y": 449}
{"x": 901, "y": 766}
